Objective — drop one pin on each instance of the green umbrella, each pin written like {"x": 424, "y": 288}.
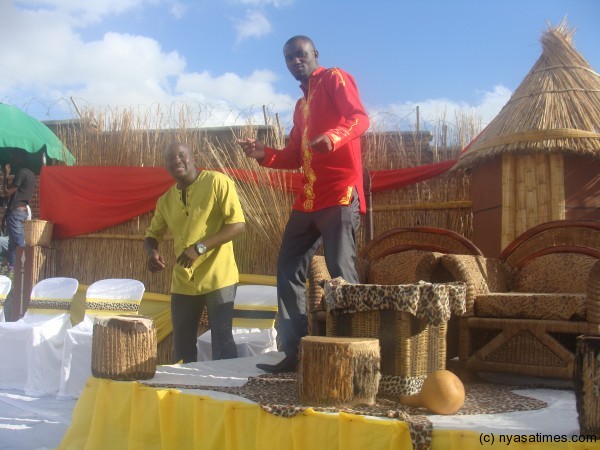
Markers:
{"x": 19, "y": 130}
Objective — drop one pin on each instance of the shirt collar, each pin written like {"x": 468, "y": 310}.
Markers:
{"x": 319, "y": 70}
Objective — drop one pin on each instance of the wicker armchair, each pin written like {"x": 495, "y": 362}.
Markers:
{"x": 399, "y": 256}
{"x": 526, "y": 308}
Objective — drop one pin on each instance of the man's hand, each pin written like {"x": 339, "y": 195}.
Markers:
{"x": 188, "y": 257}
{"x": 252, "y": 148}
{"x": 7, "y": 170}
{"x": 321, "y": 144}
{"x": 156, "y": 262}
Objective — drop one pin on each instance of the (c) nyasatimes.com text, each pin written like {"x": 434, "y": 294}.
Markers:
{"x": 489, "y": 438}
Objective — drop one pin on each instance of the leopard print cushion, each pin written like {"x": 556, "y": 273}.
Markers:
{"x": 432, "y": 302}
{"x": 516, "y": 305}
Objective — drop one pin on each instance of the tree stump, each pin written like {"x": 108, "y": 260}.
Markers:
{"x": 124, "y": 347}
{"x": 338, "y": 370}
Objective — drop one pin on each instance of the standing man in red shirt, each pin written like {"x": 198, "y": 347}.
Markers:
{"x": 325, "y": 142}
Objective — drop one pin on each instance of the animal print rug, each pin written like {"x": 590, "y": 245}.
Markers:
{"x": 278, "y": 394}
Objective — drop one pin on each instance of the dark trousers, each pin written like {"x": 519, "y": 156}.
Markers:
{"x": 185, "y": 314}
{"x": 335, "y": 228}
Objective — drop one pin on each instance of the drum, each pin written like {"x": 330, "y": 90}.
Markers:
{"x": 124, "y": 347}
{"x": 338, "y": 370}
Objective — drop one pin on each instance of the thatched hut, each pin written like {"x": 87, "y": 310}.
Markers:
{"x": 539, "y": 158}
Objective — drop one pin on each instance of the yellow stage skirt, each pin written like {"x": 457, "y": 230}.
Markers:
{"x": 128, "y": 415}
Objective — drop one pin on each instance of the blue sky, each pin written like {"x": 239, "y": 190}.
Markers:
{"x": 447, "y": 57}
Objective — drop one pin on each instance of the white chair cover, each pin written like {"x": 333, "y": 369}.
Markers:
{"x": 5, "y": 285}
{"x": 112, "y": 296}
{"x": 253, "y": 323}
{"x": 31, "y": 347}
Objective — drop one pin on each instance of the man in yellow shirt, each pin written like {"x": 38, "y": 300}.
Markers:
{"x": 203, "y": 214}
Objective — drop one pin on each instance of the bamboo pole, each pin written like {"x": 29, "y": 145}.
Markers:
{"x": 544, "y": 192}
{"x": 521, "y": 203}
{"x": 557, "y": 184}
{"x": 531, "y": 185}
{"x": 460, "y": 204}
{"x": 508, "y": 200}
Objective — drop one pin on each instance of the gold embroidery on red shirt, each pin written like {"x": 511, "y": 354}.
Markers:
{"x": 345, "y": 200}
{"x": 337, "y": 72}
{"x": 307, "y": 155}
{"x": 335, "y": 138}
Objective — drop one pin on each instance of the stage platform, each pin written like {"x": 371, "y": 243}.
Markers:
{"x": 180, "y": 409}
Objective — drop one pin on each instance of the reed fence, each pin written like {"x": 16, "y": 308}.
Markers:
{"x": 128, "y": 139}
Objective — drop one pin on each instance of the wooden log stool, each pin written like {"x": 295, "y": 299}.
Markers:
{"x": 124, "y": 347}
{"x": 338, "y": 370}
{"x": 586, "y": 378}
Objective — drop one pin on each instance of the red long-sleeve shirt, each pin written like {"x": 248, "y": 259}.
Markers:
{"x": 330, "y": 106}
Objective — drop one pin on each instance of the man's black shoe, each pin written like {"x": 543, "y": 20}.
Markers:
{"x": 287, "y": 364}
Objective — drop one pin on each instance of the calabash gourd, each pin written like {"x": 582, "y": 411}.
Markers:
{"x": 442, "y": 393}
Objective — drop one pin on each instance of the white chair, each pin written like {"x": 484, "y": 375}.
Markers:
{"x": 253, "y": 323}
{"x": 31, "y": 347}
{"x": 5, "y": 286}
{"x": 113, "y": 296}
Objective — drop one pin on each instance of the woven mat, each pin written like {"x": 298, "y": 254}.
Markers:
{"x": 278, "y": 394}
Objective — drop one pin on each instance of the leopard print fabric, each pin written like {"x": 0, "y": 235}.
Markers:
{"x": 112, "y": 307}
{"x": 432, "y": 302}
{"x": 393, "y": 386}
{"x": 346, "y": 298}
{"x": 49, "y": 305}
{"x": 439, "y": 300}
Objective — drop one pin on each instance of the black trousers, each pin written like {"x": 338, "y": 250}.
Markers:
{"x": 185, "y": 315}
{"x": 335, "y": 227}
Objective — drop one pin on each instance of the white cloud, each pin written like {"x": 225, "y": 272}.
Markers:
{"x": 229, "y": 87}
{"x": 492, "y": 102}
{"x": 432, "y": 112}
{"x": 255, "y": 24}
{"x": 45, "y": 62}
{"x": 178, "y": 9}
{"x": 123, "y": 69}
{"x": 82, "y": 12}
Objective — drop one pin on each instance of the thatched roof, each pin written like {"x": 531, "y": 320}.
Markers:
{"x": 556, "y": 108}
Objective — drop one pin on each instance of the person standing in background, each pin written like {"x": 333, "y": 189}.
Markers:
{"x": 19, "y": 191}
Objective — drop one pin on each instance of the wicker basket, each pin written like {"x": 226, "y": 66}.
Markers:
{"x": 409, "y": 346}
{"x": 587, "y": 387}
{"x": 38, "y": 232}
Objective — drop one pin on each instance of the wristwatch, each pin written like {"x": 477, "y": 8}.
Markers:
{"x": 200, "y": 248}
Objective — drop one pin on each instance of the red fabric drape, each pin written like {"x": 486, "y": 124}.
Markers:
{"x": 84, "y": 199}
{"x": 382, "y": 180}
{"x": 81, "y": 199}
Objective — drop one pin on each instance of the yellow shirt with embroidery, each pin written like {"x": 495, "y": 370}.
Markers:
{"x": 212, "y": 202}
